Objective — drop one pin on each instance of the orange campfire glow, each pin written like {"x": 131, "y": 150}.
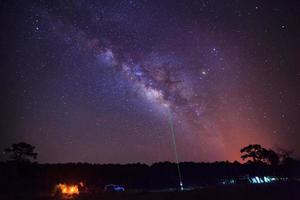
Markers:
{"x": 68, "y": 189}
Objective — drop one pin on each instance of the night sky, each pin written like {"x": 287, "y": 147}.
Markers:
{"x": 96, "y": 81}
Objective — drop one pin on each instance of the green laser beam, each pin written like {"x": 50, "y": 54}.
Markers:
{"x": 175, "y": 148}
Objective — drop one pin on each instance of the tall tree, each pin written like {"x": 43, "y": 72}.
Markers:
{"x": 284, "y": 155}
{"x": 21, "y": 152}
{"x": 256, "y": 153}
{"x": 269, "y": 156}
{"x": 252, "y": 151}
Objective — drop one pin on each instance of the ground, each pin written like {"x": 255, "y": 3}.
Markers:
{"x": 288, "y": 191}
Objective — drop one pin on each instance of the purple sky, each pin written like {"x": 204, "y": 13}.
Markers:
{"x": 94, "y": 81}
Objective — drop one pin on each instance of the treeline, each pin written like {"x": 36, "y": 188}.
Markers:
{"x": 32, "y": 177}
{"x": 21, "y": 173}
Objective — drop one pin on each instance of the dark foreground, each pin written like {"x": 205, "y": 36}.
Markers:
{"x": 288, "y": 191}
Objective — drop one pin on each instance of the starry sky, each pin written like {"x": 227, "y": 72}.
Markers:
{"x": 97, "y": 81}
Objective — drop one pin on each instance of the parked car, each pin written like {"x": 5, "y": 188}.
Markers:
{"x": 113, "y": 188}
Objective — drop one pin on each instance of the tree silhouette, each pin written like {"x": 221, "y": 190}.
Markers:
{"x": 269, "y": 156}
{"x": 252, "y": 151}
{"x": 284, "y": 155}
{"x": 21, "y": 152}
{"x": 257, "y": 153}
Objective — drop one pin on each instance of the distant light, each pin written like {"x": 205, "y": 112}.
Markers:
{"x": 257, "y": 179}
{"x": 266, "y": 179}
{"x": 181, "y": 185}
{"x": 254, "y": 180}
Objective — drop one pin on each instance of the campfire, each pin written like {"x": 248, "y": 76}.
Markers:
{"x": 66, "y": 190}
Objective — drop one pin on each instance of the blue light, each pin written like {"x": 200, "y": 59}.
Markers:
{"x": 257, "y": 180}
{"x": 261, "y": 180}
{"x": 266, "y": 179}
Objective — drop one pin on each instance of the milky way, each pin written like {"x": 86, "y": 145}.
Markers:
{"x": 94, "y": 81}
